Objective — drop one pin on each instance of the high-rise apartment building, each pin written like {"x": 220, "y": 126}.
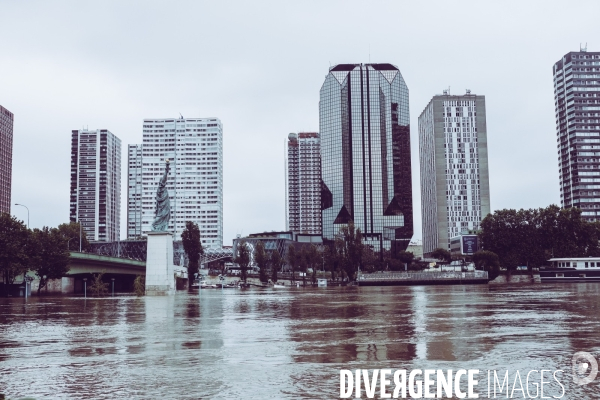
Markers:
{"x": 96, "y": 183}
{"x": 194, "y": 148}
{"x": 134, "y": 191}
{"x": 455, "y": 190}
{"x": 577, "y": 107}
{"x": 6, "y": 144}
{"x": 365, "y": 154}
{"x": 304, "y": 183}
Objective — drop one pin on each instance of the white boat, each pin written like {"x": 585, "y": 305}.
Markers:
{"x": 280, "y": 286}
{"x": 204, "y": 285}
{"x": 575, "y": 269}
{"x": 322, "y": 282}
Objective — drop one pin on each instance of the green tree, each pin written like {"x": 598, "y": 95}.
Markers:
{"x": 98, "y": 286}
{"x": 49, "y": 257}
{"x": 261, "y": 259}
{"x": 72, "y": 233}
{"x": 405, "y": 257}
{"x": 276, "y": 262}
{"x": 292, "y": 260}
{"x": 352, "y": 250}
{"x": 487, "y": 261}
{"x": 442, "y": 255}
{"x": 313, "y": 259}
{"x": 139, "y": 285}
{"x": 531, "y": 237}
{"x": 192, "y": 245}
{"x": 331, "y": 259}
{"x": 242, "y": 258}
{"x": 14, "y": 239}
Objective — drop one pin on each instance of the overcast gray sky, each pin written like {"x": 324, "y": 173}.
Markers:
{"x": 258, "y": 66}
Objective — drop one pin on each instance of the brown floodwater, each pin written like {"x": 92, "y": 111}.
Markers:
{"x": 290, "y": 343}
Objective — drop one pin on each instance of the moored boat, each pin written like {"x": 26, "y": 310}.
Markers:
{"x": 576, "y": 269}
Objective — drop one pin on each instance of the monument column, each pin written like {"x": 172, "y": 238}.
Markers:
{"x": 160, "y": 274}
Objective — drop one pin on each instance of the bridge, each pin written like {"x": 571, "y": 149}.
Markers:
{"x": 87, "y": 263}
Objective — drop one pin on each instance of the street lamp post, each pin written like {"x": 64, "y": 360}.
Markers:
{"x": 85, "y": 287}
{"x": 27, "y": 280}
{"x": 113, "y": 286}
{"x": 23, "y": 205}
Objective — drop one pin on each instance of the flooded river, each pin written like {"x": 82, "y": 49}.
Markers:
{"x": 290, "y": 343}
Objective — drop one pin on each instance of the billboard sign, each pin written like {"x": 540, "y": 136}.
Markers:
{"x": 470, "y": 244}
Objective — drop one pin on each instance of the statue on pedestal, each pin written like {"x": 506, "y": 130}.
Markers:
{"x": 163, "y": 206}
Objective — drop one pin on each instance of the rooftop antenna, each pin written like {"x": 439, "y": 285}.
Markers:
{"x": 369, "y": 53}
{"x": 181, "y": 116}
{"x": 583, "y": 49}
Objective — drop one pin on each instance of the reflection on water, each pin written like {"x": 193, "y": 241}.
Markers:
{"x": 287, "y": 344}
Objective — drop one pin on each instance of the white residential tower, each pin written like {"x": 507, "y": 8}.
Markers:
{"x": 194, "y": 147}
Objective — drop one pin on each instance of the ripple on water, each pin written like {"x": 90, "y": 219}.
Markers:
{"x": 267, "y": 343}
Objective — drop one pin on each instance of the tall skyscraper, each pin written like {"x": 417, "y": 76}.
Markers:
{"x": 6, "y": 144}
{"x": 577, "y": 107}
{"x": 455, "y": 189}
{"x": 134, "y": 191}
{"x": 96, "y": 183}
{"x": 304, "y": 183}
{"x": 365, "y": 154}
{"x": 194, "y": 147}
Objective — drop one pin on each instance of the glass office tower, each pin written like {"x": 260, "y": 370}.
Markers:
{"x": 365, "y": 151}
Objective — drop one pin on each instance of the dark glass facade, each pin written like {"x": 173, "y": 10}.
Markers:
{"x": 365, "y": 154}
{"x": 577, "y": 106}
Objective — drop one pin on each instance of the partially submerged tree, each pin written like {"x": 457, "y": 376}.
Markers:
{"x": 292, "y": 260}
{"x": 242, "y": 258}
{"x": 276, "y": 262}
{"x": 352, "y": 249}
{"x": 49, "y": 257}
{"x": 261, "y": 259}
{"x": 139, "y": 285}
{"x": 192, "y": 245}
{"x": 14, "y": 238}
{"x": 487, "y": 261}
{"x": 98, "y": 286}
{"x": 312, "y": 260}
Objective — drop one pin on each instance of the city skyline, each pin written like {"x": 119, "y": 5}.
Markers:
{"x": 43, "y": 82}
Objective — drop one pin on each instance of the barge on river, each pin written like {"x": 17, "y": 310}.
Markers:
{"x": 578, "y": 269}
{"x": 423, "y": 278}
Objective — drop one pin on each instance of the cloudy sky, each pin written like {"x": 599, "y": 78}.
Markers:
{"x": 258, "y": 66}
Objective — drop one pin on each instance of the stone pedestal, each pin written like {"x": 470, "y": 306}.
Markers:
{"x": 160, "y": 276}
